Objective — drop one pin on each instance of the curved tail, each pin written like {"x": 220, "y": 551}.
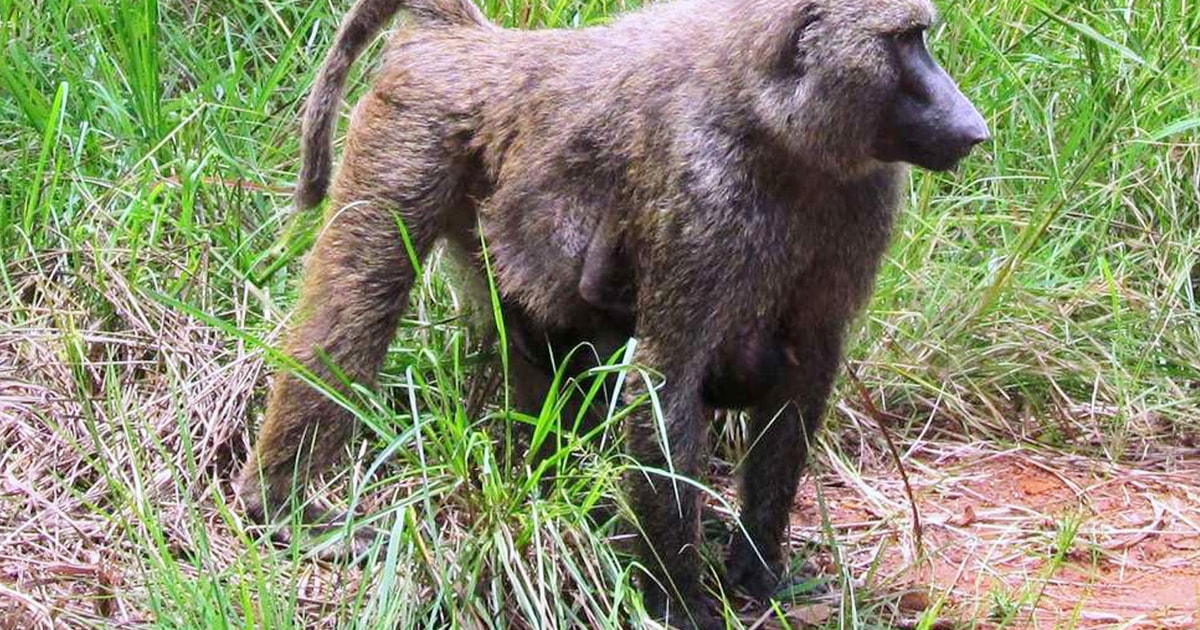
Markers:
{"x": 364, "y": 21}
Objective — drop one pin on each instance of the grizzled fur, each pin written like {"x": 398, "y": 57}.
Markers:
{"x": 730, "y": 144}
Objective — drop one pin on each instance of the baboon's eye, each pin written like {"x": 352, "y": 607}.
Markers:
{"x": 913, "y": 60}
{"x": 910, "y": 35}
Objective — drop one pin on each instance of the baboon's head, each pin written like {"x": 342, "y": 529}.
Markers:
{"x": 849, "y": 83}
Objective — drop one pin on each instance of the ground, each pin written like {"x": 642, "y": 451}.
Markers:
{"x": 1010, "y": 531}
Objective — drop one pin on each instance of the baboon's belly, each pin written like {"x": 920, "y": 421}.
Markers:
{"x": 549, "y": 347}
{"x": 745, "y": 370}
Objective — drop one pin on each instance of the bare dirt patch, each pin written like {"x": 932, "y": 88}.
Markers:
{"x": 1023, "y": 539}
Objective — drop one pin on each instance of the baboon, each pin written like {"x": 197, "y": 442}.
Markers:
{"x": 741, "y": 160}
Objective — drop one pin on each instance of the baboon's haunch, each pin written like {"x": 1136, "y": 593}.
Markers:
{"x": 740, "y": 162}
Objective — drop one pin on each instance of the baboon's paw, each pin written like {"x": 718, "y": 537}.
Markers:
{"x": 695, "y": 612}
{"x": 746, "y": 573}
{"x": 752, "y": 578}
{"x": 329, "y": 536}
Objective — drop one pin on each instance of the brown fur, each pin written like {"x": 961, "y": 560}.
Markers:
{"x": 727, "y": 144}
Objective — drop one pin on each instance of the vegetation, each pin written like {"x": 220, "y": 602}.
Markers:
{"x": 1042, "y": 305}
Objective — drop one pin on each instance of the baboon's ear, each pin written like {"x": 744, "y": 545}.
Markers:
{"x": 929, "y": 122}
{"x": 792, "y": 56}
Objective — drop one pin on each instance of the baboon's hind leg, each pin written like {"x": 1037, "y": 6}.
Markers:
{"x": 356, "y": 286}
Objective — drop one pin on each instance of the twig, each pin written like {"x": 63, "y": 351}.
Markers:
{"x": 887, "y": 436}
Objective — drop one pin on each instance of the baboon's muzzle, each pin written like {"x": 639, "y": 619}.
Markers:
{"x": 929, "y": 123}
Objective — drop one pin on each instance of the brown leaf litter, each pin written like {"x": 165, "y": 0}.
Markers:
{"x": 993, "y": 522}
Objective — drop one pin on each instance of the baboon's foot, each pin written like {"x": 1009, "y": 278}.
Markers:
{"x": 261, "y": 504}
{"x": 328, "y": 536}
{"x": 340, "y": 536}
{"x": 746, "y": 572}
{"x": 332, "y": 535}
{"x": 692, "y": 612}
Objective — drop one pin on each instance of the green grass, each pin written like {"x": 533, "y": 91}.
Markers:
{"x": 1047, "y": 296}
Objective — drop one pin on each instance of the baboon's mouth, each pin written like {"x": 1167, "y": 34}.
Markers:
{"x": 937, "y": 160}
{"x": 944, "y": 162}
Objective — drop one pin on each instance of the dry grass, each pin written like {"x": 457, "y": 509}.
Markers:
{"x": 87, "y": 409}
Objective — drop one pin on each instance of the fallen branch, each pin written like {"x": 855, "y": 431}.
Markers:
{"x": 887, "y": 436}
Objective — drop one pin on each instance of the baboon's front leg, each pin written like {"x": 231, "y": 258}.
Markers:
{"x": 782, "y": 429}
{"x": 356, "y": 285}
{"x": 671, "y": 452}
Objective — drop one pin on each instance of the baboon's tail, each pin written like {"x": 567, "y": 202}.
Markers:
{"x": 365, "y": 19}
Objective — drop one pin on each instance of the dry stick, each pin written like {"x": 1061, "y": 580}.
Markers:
{"x": 887, "y": 436}
{"x": 478, "y": 395}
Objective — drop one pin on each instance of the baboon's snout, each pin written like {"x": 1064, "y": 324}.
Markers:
{"x": 968, "y": 127}
{"x": 929, "y": 123}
